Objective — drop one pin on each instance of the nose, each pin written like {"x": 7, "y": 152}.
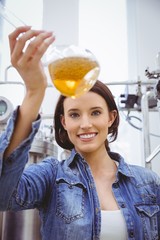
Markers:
{"x": 85, "y": 122}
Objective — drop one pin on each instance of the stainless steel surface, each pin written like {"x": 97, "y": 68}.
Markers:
{"x": 23, "y": 225}
{"x": 133, "y": 82}
{"x": 153, "y": 154}
{"x": 1, "y": 220}
{"x": 145, "y": 128}
{"x": 156, "y": 151}
{"x": 43, "y": 148}
{"x": 6, "y": 109}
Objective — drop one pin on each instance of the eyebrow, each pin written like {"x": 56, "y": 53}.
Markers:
{"x": 76, "y": 109}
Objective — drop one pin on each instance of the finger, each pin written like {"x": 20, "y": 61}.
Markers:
{"x": 21, "y": 42}
{"x": 43, "y": 48}
{"x": 14, "y": 35}
{"x": 38, "y": 46}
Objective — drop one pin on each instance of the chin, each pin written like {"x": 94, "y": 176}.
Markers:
{"x": 86, "y": 150}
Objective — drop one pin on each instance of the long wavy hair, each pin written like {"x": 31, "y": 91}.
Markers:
{"x": 61, "y": 135}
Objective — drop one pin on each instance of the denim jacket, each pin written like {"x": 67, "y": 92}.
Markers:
{"x": 64, "y": 192}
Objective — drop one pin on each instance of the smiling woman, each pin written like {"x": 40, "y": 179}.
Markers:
{"x": 95, "y": 111}
{"x": 75, "y": 195}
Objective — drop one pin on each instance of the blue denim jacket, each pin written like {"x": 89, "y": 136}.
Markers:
{"x": 64, "y": 192}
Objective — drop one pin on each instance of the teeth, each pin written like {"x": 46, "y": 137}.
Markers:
{"x": 87, "y": 135}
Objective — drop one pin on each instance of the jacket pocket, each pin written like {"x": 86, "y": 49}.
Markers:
{"x": 70, "y": 200}
{"x": 148, "y": 214}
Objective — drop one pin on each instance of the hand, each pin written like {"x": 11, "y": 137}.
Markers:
{"x": 27, "y": 47}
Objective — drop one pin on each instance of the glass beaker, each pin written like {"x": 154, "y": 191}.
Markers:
{"x": 73, "y": 70}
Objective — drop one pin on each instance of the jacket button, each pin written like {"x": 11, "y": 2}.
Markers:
{"x": 123, "y": 205}
{"x": 115, "y": 185}
{"x": 131, "y": 233}
{"x": 153, "y": 199}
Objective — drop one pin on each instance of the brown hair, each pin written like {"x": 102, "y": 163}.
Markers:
{"x": 61, "y": 135}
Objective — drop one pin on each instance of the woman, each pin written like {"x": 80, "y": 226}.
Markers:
{"x": 94, "y": 194}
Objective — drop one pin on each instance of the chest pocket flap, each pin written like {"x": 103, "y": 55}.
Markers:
{"x": 149, "y": 210}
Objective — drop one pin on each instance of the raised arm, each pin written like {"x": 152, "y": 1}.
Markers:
{"x": 27, "y": 47}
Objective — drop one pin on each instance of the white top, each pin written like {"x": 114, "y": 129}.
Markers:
{"x": 113, "y": 225}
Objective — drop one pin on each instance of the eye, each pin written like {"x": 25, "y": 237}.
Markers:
{"x": 96, "y": 113}
{"x": 74, "y": 115}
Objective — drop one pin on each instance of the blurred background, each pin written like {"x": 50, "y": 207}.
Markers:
{"x": 124, "y": 35}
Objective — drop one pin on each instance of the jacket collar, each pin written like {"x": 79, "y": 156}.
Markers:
{"x": 123, "y": 167}
{"x": 73, "y": 157}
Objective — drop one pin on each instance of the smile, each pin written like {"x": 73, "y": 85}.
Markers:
{"x": 87, "y": 136}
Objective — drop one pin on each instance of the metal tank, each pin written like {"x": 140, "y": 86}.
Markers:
{"x": 1, "y": 219}
{"x": 6, "y": 109}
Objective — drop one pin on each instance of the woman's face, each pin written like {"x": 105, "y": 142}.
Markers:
{"x": 86, "y": 120}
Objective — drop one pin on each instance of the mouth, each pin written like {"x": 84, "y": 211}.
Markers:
{"x": 87, "y": 136}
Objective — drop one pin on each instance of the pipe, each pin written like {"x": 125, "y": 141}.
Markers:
{"x": 145, "y": 127}
{"x": 133, "y": 82}
{"x": 157, "y": 149}
{"x": 153, "y": 154}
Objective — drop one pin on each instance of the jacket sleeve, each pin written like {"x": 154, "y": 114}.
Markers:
{"x": 11, "y": 169}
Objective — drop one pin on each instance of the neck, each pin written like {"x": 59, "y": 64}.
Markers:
{"x": 100, "y": 161}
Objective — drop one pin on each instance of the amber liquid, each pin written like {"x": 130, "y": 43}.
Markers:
{"x": 73, "y": 76}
